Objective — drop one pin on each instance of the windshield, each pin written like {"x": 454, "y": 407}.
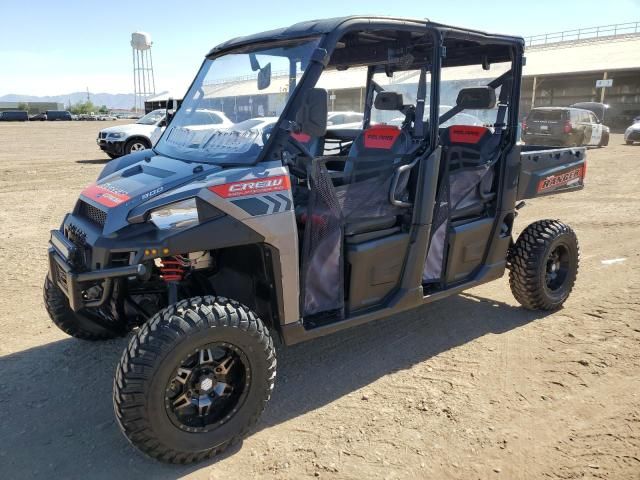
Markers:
{"x": 152, "y": 118}
{"x": 545, "y": 115}
{"x": 252, "y": 84}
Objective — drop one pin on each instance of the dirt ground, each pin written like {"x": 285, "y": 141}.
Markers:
{"x": 470, "y": 387}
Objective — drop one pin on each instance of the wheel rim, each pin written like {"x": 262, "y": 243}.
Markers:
{"x": 136, "y": 147}
{"x": 208, "y": 387}
{"x": 557, "y": 268}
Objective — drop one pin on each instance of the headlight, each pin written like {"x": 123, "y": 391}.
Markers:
{"x": 116, "y": 135}
{"x": 176, "y": 216}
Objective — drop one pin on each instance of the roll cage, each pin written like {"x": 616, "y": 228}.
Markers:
{"x": 444, "y": 46}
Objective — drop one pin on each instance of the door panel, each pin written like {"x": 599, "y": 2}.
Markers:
{"x": 374, "y": 269}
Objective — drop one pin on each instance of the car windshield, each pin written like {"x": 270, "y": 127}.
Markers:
{"x": 254, "y": 81}
{"x": 152, "y": 118}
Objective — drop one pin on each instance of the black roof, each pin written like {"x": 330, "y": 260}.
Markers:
{"x": 322, "y": 26}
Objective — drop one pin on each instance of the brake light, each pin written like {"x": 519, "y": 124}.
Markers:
{"x": 568, "y": 127}
{"x": 524, "y": 125}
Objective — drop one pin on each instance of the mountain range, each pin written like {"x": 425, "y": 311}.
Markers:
{"x": 111, "y": 100}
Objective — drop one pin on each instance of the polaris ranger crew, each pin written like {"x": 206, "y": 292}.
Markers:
{"x": 217, "y": 240}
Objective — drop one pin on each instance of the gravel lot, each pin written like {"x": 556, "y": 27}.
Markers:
{"x": 470, "y": 387}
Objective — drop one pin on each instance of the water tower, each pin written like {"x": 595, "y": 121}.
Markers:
{"x": 144, "y": 83}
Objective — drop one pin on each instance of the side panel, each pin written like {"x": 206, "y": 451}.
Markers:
{"x": 547, "y": 172}
{"x": 375, "y": 269}
{"x": 467, "y": 244}
{"x": 261, "y": 198}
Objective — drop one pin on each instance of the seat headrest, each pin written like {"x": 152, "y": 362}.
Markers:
{"x": 388, "y": 101}
{"x": 381, "y": 136}
{"x": 469, "y": 134}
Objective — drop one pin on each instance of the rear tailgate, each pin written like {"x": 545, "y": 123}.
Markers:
{"x": 547, "y": 171}
{"x": 546, "y": 122}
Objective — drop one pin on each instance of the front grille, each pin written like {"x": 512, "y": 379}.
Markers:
{"x": 92, "y": 213}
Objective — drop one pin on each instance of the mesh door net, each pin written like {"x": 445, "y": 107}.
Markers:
{"x": 465, "y": 183}
{"x": 329, "y": 210}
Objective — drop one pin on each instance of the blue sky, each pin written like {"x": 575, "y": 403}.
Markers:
{"x": 56, "y": 47}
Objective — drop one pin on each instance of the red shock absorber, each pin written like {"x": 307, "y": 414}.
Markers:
{"x": 173, "y": 269}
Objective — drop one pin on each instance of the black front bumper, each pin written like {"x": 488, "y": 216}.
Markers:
{"x": 114, "y": 148}
{"x": 64, "y": 273}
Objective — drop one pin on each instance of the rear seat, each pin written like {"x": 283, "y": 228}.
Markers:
{"x": 467, "y": 151}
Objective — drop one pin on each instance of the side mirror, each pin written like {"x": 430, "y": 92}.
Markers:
{"x": 169, "y": 110}
{"x": 253, "y": 60}
{"x": 312, "y": 115}
{"x": 264, "y": 77}
{"x": 476, "y": 98}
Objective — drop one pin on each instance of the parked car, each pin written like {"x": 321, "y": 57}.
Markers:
{"x": 142, "y": 135}
{"x": 564, "y": 126}
{"x": 632, "y": 134}
{"x": 599, "y": 109}
{"x": 14, "y": 116}
{"x": 38, "y": 117}
{"x": 54, "y": 115}
{"x": 344, "y": 120}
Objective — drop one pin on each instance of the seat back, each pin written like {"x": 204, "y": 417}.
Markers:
{"x": 377, "y": 147}
{"x": 468, "y": 152}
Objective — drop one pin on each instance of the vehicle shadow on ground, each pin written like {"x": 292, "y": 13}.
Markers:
{"x": 56, "y": 413}
{"x": 96, "y": 161}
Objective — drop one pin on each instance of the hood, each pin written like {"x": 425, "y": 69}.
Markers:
{"x": 121, "y": 190}
{"x": 131, "y": 129}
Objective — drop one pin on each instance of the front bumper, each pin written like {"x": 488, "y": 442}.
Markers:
{"x": 109, "y": 146}
{"x": 63, "y": 272}
{"x": 632, "y": 136}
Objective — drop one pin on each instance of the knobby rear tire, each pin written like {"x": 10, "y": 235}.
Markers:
{"x": 527, "y": 263}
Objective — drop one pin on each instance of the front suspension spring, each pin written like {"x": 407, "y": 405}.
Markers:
{"x": 174, "y": 269}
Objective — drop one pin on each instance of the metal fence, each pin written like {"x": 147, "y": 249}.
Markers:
{"x": 619, "y": 29}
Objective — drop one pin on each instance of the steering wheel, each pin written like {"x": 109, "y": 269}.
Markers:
{"x": 300, "y": 147}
